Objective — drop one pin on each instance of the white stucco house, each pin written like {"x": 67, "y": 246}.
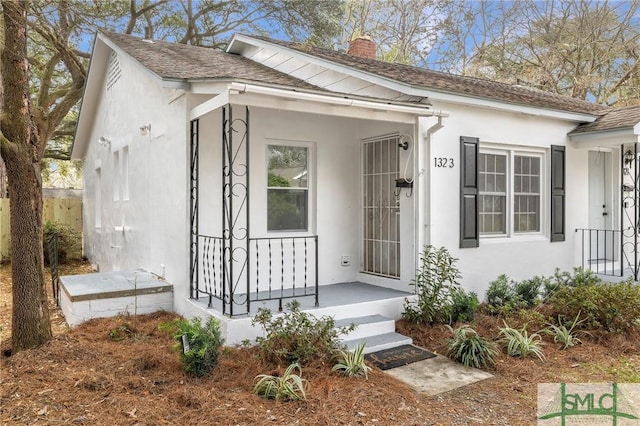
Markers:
{"x": 275, "y": 170}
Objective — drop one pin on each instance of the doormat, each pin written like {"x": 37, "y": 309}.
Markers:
{"x": 397, "y": 357}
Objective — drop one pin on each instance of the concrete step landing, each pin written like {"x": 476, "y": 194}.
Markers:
{"x": 376, "y": 331}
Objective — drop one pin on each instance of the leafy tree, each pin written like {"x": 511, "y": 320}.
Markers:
{"x": 583, "y": 49}
{"x": 40, "y": 108}
{"x": 22, "y": 150}
{"x": 404, "y": 30}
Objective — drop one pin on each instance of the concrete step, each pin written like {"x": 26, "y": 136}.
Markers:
{"x": 366, "y": 326}
{"x": 379, "y": 342}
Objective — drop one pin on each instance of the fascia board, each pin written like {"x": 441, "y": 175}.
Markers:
{"x": 90, "y": 95}
{"x": 236, "y": 47}
{"x": 617, "y": 134}
{"x": 435, "y": 95}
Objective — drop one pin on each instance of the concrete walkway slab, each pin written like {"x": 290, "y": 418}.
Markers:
{"x": 437, "y": 375}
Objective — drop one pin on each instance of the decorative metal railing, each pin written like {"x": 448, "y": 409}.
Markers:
{"x": 603, "y": 251}
{"x": 52, "y": 252}
{"x": 277, "y": 268}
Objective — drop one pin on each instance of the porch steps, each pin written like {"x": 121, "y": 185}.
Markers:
{"x": 377, "y": 331}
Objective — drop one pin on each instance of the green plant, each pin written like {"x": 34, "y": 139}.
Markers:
{"x": 121, "y": 332}
{"x": 528, "y": 291}
{"x": 609, "y": 306}
{"x": 289, "y": 387}
{"x": 469, "y": 348}
{"x": 563, "y": 335}
{"x": 297, "y": 336}
{"x": 352, "y": 364}
{"x": 518, "y": 343}
{"x": 69, "y": 244}
{"x": 198, "y": 345}
{"x": 579, "y": 278}
{"x": 463, "y": 306}
{"x": 434, "y": 283}
{"x": 500, "y": 293}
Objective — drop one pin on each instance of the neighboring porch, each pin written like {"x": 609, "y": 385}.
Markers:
{"x": 611, "y": 245}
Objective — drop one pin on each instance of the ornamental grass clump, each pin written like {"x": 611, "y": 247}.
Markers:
{"x": 518, "y": 343}
{"x": 564, "y": 335}
{"x": 289, "y": 387}
{"x": 351, "y": 364}
{"x": 470, "y": 349}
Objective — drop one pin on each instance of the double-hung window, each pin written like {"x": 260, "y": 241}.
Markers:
{"x": 287, "y": 188}
{"x": 509, "y": 189}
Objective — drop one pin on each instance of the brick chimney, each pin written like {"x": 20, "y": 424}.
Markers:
{"x": 362, "y": 47}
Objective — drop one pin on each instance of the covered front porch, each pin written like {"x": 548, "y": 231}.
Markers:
{"x": 302, "y": 196}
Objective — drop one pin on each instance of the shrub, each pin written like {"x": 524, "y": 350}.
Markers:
{"x": 580, "y": 277}
{"x": 198, "y": 345}
{"x": 500, "y": 293}
{"x": 289, "y": 387}
{"x": 434, "y": 284}
{"x": 519, "y": 344}
{"x": 470, "y": 349}
{"x": 352, "y": 364}
{"x": 611, "y": 306}
{"x": 297, "y": 336}
{"x": 527, "y": 292}
{"x": 69, "y": 241}
{"x": 463, "y": 306}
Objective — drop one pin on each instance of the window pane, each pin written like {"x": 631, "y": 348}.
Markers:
{"x": 526, "y": 203}
{"x": 287, "y": 166}
{"x": 492, "y": 170}
{"x": 287, "y": 210}
{"x": 492, "y": 214}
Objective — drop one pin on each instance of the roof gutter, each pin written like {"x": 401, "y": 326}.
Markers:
{"x": 240, "y": 88}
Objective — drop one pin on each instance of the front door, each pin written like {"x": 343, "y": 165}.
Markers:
{"x": 600, "y": 205}
{"x": 381, "y": 207}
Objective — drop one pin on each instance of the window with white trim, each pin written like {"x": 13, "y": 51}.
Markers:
{"x": 287, "y": 188}
{"x": 510, "y": 192}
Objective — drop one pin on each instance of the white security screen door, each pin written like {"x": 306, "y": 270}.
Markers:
{"x": 381, "y": 207}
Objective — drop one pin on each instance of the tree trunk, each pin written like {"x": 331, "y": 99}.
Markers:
{"x": 22, "y": 153}
{"x": 3, "y": 179}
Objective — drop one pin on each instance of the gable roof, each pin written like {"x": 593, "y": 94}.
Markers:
{"x": 619, "y": 119}
{"x": 445, "y": 82}
{"x": 176, "y": 61}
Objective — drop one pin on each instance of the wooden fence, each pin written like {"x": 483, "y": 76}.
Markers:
{"x": 64, "y": 210}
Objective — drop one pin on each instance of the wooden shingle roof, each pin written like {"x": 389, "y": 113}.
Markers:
{"x": 621, "y": 118}
{"x": 185, "y": 62}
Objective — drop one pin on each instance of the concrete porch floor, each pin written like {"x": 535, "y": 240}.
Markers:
{"x": 329, "y": 296}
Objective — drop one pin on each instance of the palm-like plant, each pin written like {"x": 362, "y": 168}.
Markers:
{"x": 289, "y": 387}
{"x": 352, "y": 364}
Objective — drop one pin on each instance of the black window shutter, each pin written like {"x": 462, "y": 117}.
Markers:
{"x": 558, "y": 182}
{"x": 469, "y": 192}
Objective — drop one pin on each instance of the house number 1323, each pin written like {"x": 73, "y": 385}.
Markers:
{"x": 443, "y": 162}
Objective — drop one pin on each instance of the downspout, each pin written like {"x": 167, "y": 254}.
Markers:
{"x": 423, "y": 169}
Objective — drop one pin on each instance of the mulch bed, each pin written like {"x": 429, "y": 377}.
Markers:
{"x": 83, "y": 376}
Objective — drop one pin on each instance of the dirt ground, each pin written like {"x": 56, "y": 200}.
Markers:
{"x": 85, "y": 377}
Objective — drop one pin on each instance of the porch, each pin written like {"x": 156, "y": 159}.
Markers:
{"x": 372, "y": 308}
{"x": 276, "y": 215}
